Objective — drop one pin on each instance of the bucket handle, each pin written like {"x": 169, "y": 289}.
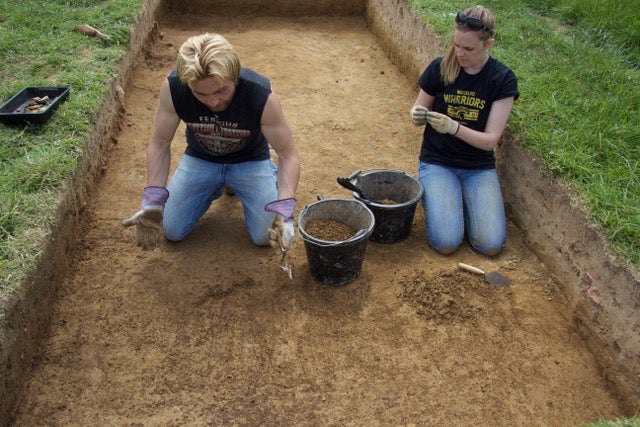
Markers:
{"x": 359, "y": 171}
{"x": 354, "y": 174}
{"x": 356, "y": 236}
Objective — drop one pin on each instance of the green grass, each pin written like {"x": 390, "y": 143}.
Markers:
{"x": 620, "y": 422}
{"x": 40, "y": 47}
{"x": 612, "y": 24}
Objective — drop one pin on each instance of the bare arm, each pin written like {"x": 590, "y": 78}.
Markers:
{"x": 165, "y": 124}
{"x": 425, "y": 100}
{"x": 277, "y": 131}
{"x": 492, "y": 133}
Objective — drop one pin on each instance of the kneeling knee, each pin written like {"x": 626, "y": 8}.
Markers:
{"x": 489, "y": 251}
{"x": 444, "y": 248}
{"x": 174, "y": 235}
{"x": 488, "y": 248}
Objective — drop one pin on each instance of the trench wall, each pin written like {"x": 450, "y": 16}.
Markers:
{"x": 602, "y": 296}
{"x": 265, "y": 7}
{"x": 28, "y": 313}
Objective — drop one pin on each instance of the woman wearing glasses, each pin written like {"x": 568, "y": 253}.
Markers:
{"x": 465, "y": 100}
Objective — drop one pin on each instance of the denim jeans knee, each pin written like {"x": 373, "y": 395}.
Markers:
{"x": 484, "y": 210}
{"x": 456, "y": 200}
{"x": 442, "y": 202}
{"x": 255, "y": 184}
{"x": 194, "y": 185}
{"x": 197, "y": 183}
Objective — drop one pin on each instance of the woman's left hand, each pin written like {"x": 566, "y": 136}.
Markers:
{"x": 442, "y": 123}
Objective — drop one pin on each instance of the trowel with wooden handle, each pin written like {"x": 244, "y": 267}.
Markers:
{"x": 494, "y": 278}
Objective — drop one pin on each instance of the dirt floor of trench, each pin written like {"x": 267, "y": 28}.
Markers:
{"x": 210, "y": 331}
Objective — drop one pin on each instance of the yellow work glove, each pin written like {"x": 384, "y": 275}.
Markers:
{"x": 419, "y": 115}
{"x": 442, "y": 123}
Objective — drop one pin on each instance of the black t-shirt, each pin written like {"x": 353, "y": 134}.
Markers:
{"x": 468, "y": 100}
{"x": 230, "y": 136}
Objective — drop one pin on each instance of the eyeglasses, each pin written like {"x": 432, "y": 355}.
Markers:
{"x": 474, "y": 24}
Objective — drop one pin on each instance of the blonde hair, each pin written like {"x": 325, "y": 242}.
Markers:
{"x": 207, "y": 55}
{"x": 450, "y": 67}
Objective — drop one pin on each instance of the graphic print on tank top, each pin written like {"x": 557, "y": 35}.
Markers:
{"x": 218, "y": 137}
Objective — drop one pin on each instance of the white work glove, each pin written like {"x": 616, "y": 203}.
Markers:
{"x": 148, "y": 224}
{"x": 282, "y": 232}
{"x": 442, "y": 123}
{"x": 148, "y": 220}
{"x": 419, "y": 115}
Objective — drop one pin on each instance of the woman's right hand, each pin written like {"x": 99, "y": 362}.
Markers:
{"x": 419, "y": 115}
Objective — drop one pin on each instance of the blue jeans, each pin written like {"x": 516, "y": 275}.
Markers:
{"x": 196, "y": 183}
{"x": 457, "y": 198}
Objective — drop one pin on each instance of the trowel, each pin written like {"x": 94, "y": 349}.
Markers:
{"x": 494, "y": 278}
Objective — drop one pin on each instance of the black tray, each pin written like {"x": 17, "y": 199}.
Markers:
{"x": 13, "y": 111}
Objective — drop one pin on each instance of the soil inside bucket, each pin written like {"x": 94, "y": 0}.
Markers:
{"x": 329, "y": 230}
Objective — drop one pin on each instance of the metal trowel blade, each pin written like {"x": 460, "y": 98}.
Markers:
{"x": 496, "y": 279}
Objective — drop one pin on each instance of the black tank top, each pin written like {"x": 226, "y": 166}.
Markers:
{"x": 230, "y": 136}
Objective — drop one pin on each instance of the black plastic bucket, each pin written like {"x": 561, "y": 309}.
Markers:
{"x": 393, "y": 221}
{"x": 336, "y": 263}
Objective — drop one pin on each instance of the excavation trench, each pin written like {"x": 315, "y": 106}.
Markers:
{"x": 211, "y": 330}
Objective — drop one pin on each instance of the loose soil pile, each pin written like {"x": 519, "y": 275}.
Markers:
{"x": 210, "y": 331}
